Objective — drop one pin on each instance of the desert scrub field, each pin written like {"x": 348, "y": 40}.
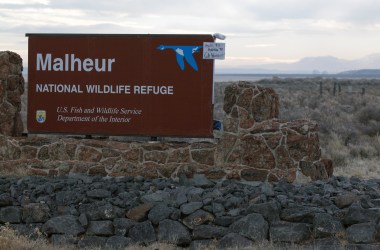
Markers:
{"x": 349, "y": 121}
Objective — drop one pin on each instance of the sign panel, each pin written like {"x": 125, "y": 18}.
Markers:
{"x": 152, "y": 85}
{"x": 214, "y": 50}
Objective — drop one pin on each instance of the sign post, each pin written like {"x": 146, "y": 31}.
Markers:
{"x": 150, "y": 85}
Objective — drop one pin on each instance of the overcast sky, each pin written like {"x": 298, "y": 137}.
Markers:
{"x": 258, "y": 31}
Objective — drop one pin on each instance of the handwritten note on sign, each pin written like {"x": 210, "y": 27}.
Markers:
{"x": 214, "y": 50}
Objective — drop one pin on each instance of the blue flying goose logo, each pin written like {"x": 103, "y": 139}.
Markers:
{"x": 183, "y": 53}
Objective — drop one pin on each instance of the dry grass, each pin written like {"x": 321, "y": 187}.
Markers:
{"x": 11, "y": 241}
{"x": 363, "y": 168}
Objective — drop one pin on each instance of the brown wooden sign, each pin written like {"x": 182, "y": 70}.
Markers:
{"x": 152, "y": 85}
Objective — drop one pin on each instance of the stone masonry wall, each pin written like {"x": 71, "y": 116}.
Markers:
{"x": 11, "y": 89}
{"x": 254, "y": 146}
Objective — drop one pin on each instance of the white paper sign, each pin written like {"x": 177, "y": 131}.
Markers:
{"x": 214, "y": 50}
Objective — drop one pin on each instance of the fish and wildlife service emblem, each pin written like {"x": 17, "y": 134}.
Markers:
{"x": 41, "y": 116}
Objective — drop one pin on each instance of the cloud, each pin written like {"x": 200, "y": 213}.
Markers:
{"x": 260, "y": 45}
{"x": 254, "y": 28}
{"x": 23, "y": 2}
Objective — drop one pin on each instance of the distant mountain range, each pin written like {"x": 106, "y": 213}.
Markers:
{"x": 311, "y": 65}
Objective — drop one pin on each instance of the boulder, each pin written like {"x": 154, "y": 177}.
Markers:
{"x": 66, "y": 224}
{"x": 253, "y": 226}
{"x": 99, "y": 193}
{"x": 361, "y": 233}
{"x": 300, "y": 213}
{"x": 209, "y": 232}
{"x": 191, "y": 207}
{"x": 325, "y": 225}
{"x": 11, "y": 214}
{"x": 234, "y": 241}
{"x": 173, "y": 232}
{"x": 122, "y": 225}
{"x": 100, "y": 228}
{"x": 35, "y": 213}
{"x": 269, "y": 210}
{"x": 143, "y": 232}
{"x": 158, "y": 213}
{"x": 283, "y": 231}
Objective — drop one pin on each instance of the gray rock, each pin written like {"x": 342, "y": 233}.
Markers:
{"x": 252, "y": 226}
{"x": 78, "y": 176}
{"x": 300, "y": 214}
{"x": 99, "y": 194}
{"x": 200, "y": 180}
{"x": 180, "y": 196}
{"x": 83, "y": 220}
{"x": 345, "y": 200}
{"x": 217, "y": 208}
{"x": 143, "y": 232}
{"x": 173, "y": 232}
{"x": 197, "y": 218}
{"x": 5, "y": 200}
{"x": 109, "y": 212}
{"x": 35, "y": 213}
{"x": 376, "y": 202}
{"x": 63, "y": 240}
{"x": 91, "y": 210}
{"x": 234, "y": 241}
{"x": 156, "y": 197}
{"x": 267, "y": 189}
{"x": 122, "y": 226}
{"x": 191, "y": 207}
{"x": 233, "y": 202}
{"x": 158, "y": 213}
{"x": 118, "y": 242}
{"x": 365, "y": 202}
{"x": 100, "y": 228}
{"x": 194, "y": 194}
{"x": 234, "y": 212}
{"x": 10, "y": 214}
{"x": 65, "y": 224}
{"x": 269, "y": 210}
{"x": 361, "y": 233}
{"x": 63, "y": 198}
{"x": 176, "y": 214}
{"x": 91, "y": 242}
{"x": 283, "y": 231}
{"x": 209, "y": 232}
{"x": 225, "y": 221}
{"x": 326, "y": 226}
{"x": 356, "y": 214}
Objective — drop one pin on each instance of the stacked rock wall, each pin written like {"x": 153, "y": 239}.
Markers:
{"x": 114, "y": 213}
{"x": 11, "y": 89}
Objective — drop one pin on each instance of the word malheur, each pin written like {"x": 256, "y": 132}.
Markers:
{"x": 72, "y": 63}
